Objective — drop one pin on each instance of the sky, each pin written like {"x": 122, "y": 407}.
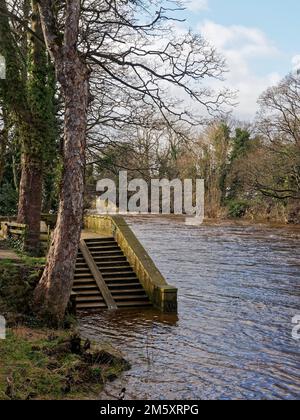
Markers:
{"x": 260, "y": 40}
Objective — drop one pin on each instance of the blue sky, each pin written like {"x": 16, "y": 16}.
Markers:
{"x": 260, "y": 40}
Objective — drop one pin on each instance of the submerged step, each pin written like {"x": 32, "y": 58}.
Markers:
{"x": 86, "y": 292}
{"x": 128, "y": 291}
{"x": 89, "y": 298}
{"x": 85, "y": 286}
{"x": 130, "y": 297}
{"x": 134, "y": 304}
{"x": 124, "y": 285}
{"x": 91, "y": 305}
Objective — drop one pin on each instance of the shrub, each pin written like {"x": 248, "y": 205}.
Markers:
{"x": 237, "y": 208}
{"x": 17, "y": 283}
{"x": 8, "y": 200}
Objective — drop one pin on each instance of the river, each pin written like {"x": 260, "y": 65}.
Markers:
{"x": 239, "y": 288}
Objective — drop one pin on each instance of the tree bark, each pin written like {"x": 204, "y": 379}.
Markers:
{"x": 3, "y": 144}
{"x": 30, "y": 201}
{"x": 39, "y": 137}
{"x": 30, "y": 190}
{"x": 53, "y": 292}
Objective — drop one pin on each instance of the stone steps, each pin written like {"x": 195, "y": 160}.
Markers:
{"x": 119, "y": 277}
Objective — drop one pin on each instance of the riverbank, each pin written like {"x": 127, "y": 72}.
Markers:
{"x": 218, "y": 221}
{"x": 43, "y": 363}
{"x": 263, "y": 223}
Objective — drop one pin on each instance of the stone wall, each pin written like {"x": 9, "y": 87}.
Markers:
{"x": 162, "y": 295}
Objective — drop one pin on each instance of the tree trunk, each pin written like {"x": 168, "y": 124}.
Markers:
{"x": 30, "y": 189}
{"x": 38, "y": 137}
{"x": 30, "y": 201}
{"x": 15, "y": 174}
{"x": 25, "y": 93}
{"x": 53, "y": 292}
{"x": 3, "y": 144}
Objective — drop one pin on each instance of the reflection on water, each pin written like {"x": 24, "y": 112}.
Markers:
{"x": 239, "y": 289}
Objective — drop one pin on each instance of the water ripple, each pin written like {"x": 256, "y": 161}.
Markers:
{"x": 239, "y": 288}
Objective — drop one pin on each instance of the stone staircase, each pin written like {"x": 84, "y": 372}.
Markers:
{"x": 119, "y": 278}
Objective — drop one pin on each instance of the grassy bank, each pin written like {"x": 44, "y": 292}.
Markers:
{"x": 54, "y": 365}
{"x": 41, "y": 363}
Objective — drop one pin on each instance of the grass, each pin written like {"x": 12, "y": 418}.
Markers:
{"x": 6, "y": 263}
{"x": 17, "y": 282}
{"x": 38, "y": 364}
{"x": 33, "y": 261}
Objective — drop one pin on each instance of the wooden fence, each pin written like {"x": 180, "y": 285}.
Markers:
{"x": 15, "y": 230}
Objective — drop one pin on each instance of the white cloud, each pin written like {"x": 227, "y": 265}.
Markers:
{"x": 196, "y": 5}
{"x": 242, "y": 45}
{"x": 248, "y": 41}
{"x": 296, "y": 62}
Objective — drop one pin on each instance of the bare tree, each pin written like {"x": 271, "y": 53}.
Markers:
{"x": 278, "y": 123}
{"x": 53, "y": 291}
{"x": 129, "y": 54}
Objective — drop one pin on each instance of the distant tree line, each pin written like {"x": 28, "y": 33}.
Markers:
{"x": 250, "y": 170}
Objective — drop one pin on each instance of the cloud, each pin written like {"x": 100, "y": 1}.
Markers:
{"x": 247, "y": 40}
{"x": 242, "y": 47}
{"x": 296, "y": 62}
{"x": 196, "y": 5}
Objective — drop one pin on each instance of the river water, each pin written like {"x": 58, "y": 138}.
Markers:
{"x": 239, "y": 288}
